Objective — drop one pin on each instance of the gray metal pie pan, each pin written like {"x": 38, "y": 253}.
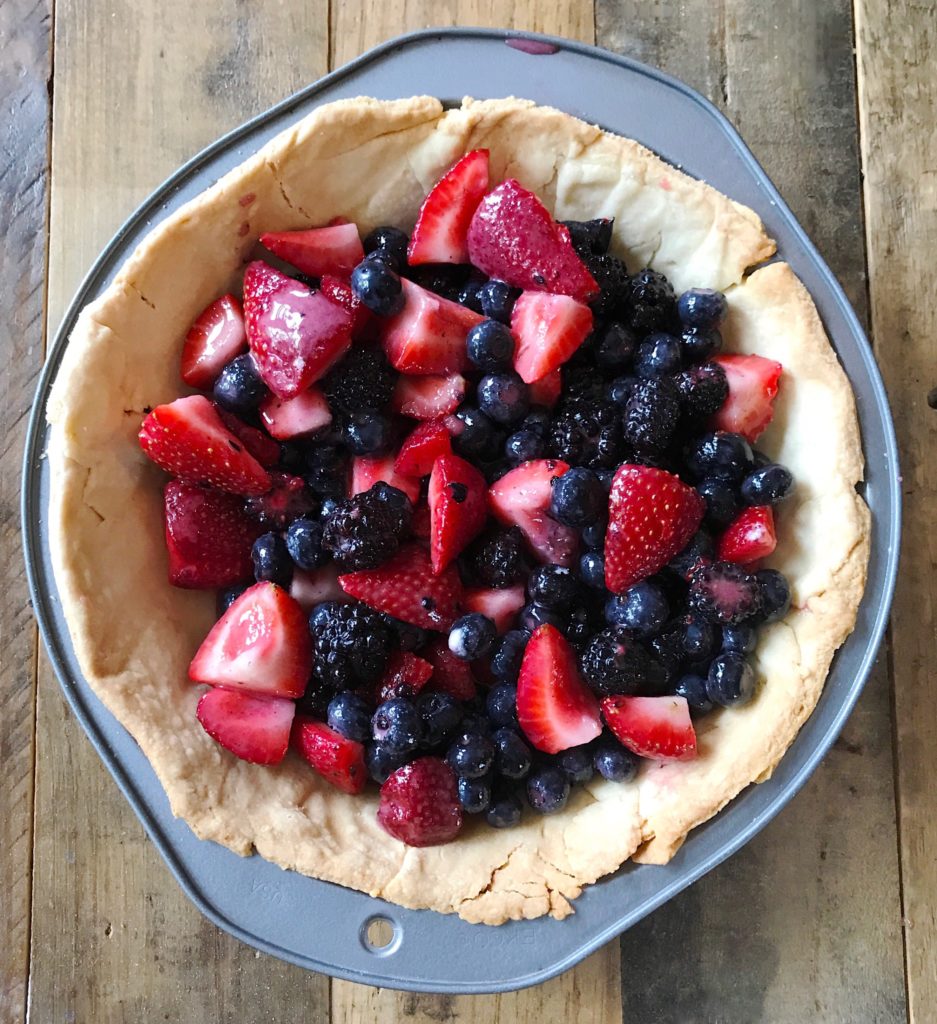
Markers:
{"x": 322, "y": 926}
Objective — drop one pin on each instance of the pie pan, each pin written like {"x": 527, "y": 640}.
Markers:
{"x": 325, "y": 927}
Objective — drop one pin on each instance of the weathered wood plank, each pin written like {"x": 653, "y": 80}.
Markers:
{"x": 138, "y": 88}
{"x": 896, "y": 42}
{"x": 25, "y": 62}
{"x": 804, "y": 923}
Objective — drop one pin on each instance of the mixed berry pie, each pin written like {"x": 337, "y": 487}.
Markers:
{"x": 449, "y": 509}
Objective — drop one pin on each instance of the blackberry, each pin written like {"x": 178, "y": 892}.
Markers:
{"x": 587, "y": 434}
{"x": 613, "y": 662}
{"x": 614, "y": 348}
{"x": 396, "y": 502}
{"x": 725, "y": 593}
{"x": 582, "y": 385}
{"x": 700, "y": 549}
{"x": 668, "y": 655}
{"x": 362, "y": 532}
{"x": 351, "y": 645}
{"x": 651, "y": 415}
{"x": 499, "y": 561}
{"x": 553, "y": 586}
{"x": 612, "y": 278}
{"x": 363, "y": 379}
{"x": 445, "y": 279}
{"x": 653, "y": 304}
{"x": 590, "y": 237}
{"x": 703, "y": 389}
{"x": 326, "y": 470}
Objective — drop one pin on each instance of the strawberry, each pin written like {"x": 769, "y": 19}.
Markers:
{"x": 338, "y": 291}
{"x": 555, "y": 709}
{"x": 753, "y": 385}
{"x": 264, "y": 449}
{"x": 547, "y": 390}
{"x": 420, "y": 803}
{"x": 295, "y": 335}
{"x": 255, "y": 729}
{"x": 428, "y": 334}
{"x": 457, "y": 508}
{"x": 658, "y": 728}
{"x": 426, "y": 398}
{"x": 443, "y": 221}
{"x": 522, "y": 497}
{"x": 451, "y": 675}
{"x": 513, "y": 237}
{"x": 335, "y": 249}
{"x": 208, "y": 537}
{"x": 749, "y": 536}
{"x": 405, "y": 675}
{"x": 304, "y": 414}
{"x": 421, "y": 525}
{"x": 367, "y": 470}
{"x": 652, "y": 515}
{"x": 337, "y": 759}
{"x": 501, "y": 606}
{"x": 406, "y": 587}
{"x": 216, "y": 337}
{"x": 548, "y": 329}
{"x": 424, "y": 445}
{"x": 188, "y": 439}
{"x": 261, "y": 644}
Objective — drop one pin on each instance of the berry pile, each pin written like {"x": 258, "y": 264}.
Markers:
{"x": 481, "y": 507}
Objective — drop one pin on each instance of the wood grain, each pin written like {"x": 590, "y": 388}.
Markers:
{"x": 138, "y": 89}
{"x": 804, "y": 922}
{"x": 25, "y": 61}
{"x": 896, "y": 43}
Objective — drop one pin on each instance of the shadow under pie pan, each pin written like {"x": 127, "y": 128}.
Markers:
{"x": 328, "y": 928}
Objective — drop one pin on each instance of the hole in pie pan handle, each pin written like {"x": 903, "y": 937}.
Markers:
{"x": 380, "y": 935}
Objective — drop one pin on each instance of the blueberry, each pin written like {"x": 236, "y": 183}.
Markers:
{"x": 377, "y": 286}
{"x": 593, "y": 535}
{"x": 382, "y": 762}
{"x": 512, "y": 754}
{"x": 272, "y": 560}
{"x": 547, "y": 790}
{"x": 325, "y": 474}
{"x": 721, "y": 502}
{"x": 532, "y": 616}
{"x": 367, "y": 431}
{"x": 497, "y": 300}
{"x": 699, "y": 344}
{"x": 479, "y": 440}
{"x": 702, "y": 307}
{"x": 501, "y": 704}
{"x": 775, "y": 594}
{"x": 731, "y": 680}
{"x": 693, "y": 688}
{"x": 553, "y": 586}
{"x": 396, "y": 725}
{"x": 576, "y": 764}
{"x": 472, "y": 755}
{"x": 620, "y": 390}
{"x": 349, "y": 716}
{"x": 474, "y": 794}
{"x": 658, "y": 356}
{"x": 490, "y": 346}
{"x": 228, "y": 596}
{"x": 725, "y": 455}
{"x": 468, "y": 296}
{"x": 537, "y": 421}
{"x": 503, "y": 397}
{"x": 388, "y": 244}
{"x": 304, "y": 543}
{"x": 642, "y": 608}
{"x": 471, "y": 636}
{"x": 700, "y": 639}
{"x": 577, "y": 498}
{"x": 614, "y": 347}
{"x": 524, "y": 445}
{"x": 592, "y": 569}
{"x": 507, "y": 656}
{"x": 759, "y": 459}
{"x": 409, "y": 637}
{"x": 504, "y": 811}
{"x": 613, "y": 762}
{"x": 440, "y": 715}
{"x": 767, "y": 485}
{"x": 700, "y": 548}
{"x": 740, "y": 639}
{"x": 239, "y": 388}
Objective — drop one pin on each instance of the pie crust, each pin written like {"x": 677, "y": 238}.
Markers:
{"x": 134, "y": 634}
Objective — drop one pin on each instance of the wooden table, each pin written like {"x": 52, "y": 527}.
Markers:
{"x": 831, "y": 913}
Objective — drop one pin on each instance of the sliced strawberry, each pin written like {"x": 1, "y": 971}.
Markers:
{"x": 335, "y": 249}
{"x": 423, "y": 447}
{"x": 457, "y": 508}
{"x": 295, "y": 335}
{"x": 753, "y": 385}
{"x": 406, "y": 587}
{"x": 367, "y": 470}
{"x": 255, "y": 729}
{"x": 750, "y": 536}
{"x": 513, "y": 237}
{"x": 406, "y": 674}
{"x": 208, "y": 537}
{"x": 658, "y": 728}
{"x": 522, "y": 497}
{"x": 555, "y": 709}
{"x": 216, "y": 337}
{"x": 308, "y": 589}
{"x": 444, "y": 218}
{"x": 428, "y": 334}
{"x": 338, "y": 290}
{"x": 422, "y": 526}
{"x": 652, "y": 515}
{"x": 451, "y": 675}
{"x": 261, "y": 643}
{"x": 548, "y": 329}
{"x": 547, "y": 390}
{"x": 426, "y": 398}
{"x": 264, "y": 449}
{"x": 188, "y": 439}
{"x": 501, "y": 606}
{"x": 295, "y": 417}
{"x": 337, "y": 759}
{"x": 420, "y": 803}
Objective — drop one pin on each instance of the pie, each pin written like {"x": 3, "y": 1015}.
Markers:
{"x": 370, "y": 163}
